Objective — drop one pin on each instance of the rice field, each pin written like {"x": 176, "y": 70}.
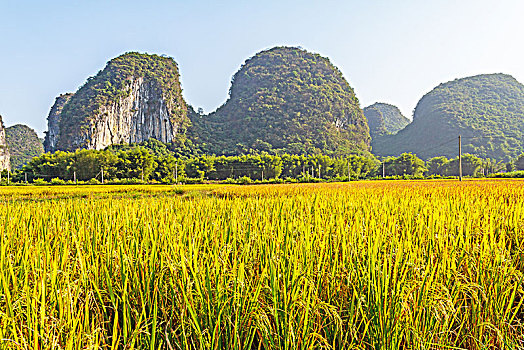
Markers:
{"x": 360, "y": 265}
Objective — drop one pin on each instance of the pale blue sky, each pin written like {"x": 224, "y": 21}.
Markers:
{"x": 390, "y": 51}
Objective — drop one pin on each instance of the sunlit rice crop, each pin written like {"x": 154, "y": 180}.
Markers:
{"x": 364, "y": 265}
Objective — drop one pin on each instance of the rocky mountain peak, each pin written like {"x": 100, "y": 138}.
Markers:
{"x": 134, "y": 98}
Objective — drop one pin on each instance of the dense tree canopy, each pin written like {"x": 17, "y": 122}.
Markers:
{"x": 154, "y": 161}
{"x": 148, "y": 161}
{"x": 487, "y": 110}
{"x": 405, "y": 164}
{"x": 471, "y": 166}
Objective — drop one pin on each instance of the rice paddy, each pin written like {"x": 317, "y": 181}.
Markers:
{"x": 360, "y": 265}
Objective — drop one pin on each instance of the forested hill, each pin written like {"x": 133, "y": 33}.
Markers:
{"x": 23, "y": 143}
{"x": 384, "y": 119}
{"x": 487, "y": 110}
{"x": 290, "y": 100}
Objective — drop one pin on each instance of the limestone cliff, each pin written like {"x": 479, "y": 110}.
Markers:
{"x": 136, "y": 97}
{"x": 5, "y": 162}
{"x": 138, "y": 117}
{"x": 53, "y": 122}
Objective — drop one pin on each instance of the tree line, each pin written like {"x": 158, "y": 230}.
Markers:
{"x": 137, "y": 163}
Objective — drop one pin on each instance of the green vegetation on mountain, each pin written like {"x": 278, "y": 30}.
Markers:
{"x": 23, "y": 143}
{"x": 286, "y": 100}
{"x": 487, "y": 110}
{"x": 384, "y": 119}
{"x": 113, "y": 83}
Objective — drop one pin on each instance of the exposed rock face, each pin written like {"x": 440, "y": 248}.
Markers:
{"x": 135, "y": 98}
{"x": 5, "y": 162}
{"x": 53, "y": 122}
{"x": 140, "y": 116}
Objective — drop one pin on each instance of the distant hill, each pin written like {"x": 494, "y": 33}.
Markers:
{"x": 286, "y": 99}
{"x": 487, "y": 110}
{"x": 23, "y": 143}
{"x": 384, "y": 119}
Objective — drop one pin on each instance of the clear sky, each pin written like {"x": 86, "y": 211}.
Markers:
{"x": 389, "y": 50}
